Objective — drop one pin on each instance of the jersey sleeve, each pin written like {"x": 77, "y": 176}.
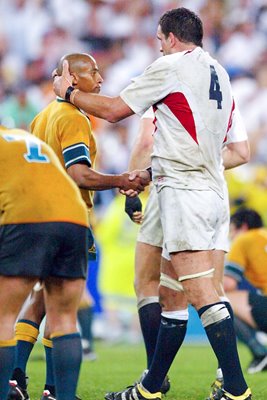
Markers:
{"x": 237, "y": 131}
{"x": 149, "y": 114}
{"x": 153, "y": 85}
{"x": 236, "y": 260}
{"x": 75, "y": 140}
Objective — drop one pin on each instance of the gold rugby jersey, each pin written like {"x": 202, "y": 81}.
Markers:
{"x": 34, "y": 187}
{"x": 68, "y": 131}
{"x": 248, "y": 258}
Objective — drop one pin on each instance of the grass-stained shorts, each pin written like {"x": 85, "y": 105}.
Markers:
{"x": 151, "y": 230}
{"x": 191, "y": 219}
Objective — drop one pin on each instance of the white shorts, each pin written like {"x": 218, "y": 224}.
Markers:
{"x": 222, "y": 241}
{"x": 151, "y": 230}
{"x": 191, "y": 219}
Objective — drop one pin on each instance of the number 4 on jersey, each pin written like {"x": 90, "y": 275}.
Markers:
{"x": 215, "y": 89}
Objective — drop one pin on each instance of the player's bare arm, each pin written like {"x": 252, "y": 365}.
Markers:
{"x": 87, "y": 178}
{"x": 235, "y": 154}
{"x": 140, "y": 158}
{"x": 112, "y": 109}
{"x": 142, "y": 148}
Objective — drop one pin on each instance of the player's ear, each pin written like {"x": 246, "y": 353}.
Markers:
{"x": 172, "y": 38}
{"x": 75, "y": 78}
{"x": 54, "y": 73}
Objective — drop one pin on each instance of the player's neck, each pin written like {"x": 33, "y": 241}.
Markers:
{"x": 183, "y": 47}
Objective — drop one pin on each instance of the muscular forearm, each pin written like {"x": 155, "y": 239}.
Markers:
{"x": 231, "y": 160}
{"x": 140, "y": 158}
{"x": 141, "y": 154}
{"x": 112, "y": 109}
{"x": 88, "y": 178}
{"x": 104, "y": 183}
{"x": 93, "y": 180}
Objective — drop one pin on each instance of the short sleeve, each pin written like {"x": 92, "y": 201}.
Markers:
{"x": 153, "y": 85}
{"x": 75, "y": 140}
{"x": 237, "y": 131}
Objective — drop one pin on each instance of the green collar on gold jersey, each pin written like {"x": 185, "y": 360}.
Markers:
{"x": 60, "y": 100}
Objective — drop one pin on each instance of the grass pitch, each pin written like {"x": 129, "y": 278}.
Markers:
{"x": 120, "y": 365}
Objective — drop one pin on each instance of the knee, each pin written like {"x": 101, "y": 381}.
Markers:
{"x": 146, "y": 285}
{"x": 165, "y": 298}
{"x": 35, "y": 311}
{"x": 200, "y": 291}
{"x": 61, "y": 322}
{"x": 197, "y": 298}
{"x": 137, "y": 286}
{"x": 171, "y": 299}
{"x": 171, "y": 293}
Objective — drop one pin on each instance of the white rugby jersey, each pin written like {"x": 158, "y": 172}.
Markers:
{"x": 237, "y": 131}
{"x": 192, "y": 100}
{"x": 148, "y": 113}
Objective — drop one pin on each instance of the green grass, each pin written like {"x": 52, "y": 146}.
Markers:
{"x": 119, "y": 365}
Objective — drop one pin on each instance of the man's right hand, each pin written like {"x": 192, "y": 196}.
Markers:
{"x": 134, "y": 186}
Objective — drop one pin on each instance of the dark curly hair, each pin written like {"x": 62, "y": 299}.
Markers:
{"x": 247, "y": 216}
{"x": 184, "y": 24}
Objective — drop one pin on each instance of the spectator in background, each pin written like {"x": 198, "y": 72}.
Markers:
{"x": 255, "y": 112}
{"x": 232, "y": 53}
{"x": 17, "y": 110}
{"x": 247, "y": 260}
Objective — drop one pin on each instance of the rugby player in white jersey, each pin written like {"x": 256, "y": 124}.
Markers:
{"x": 193, "y": 104}
{"x": 150, "y": 239}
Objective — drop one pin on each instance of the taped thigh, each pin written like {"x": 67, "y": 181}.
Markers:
{"x": 204, "y": 274}
{"x": 170, "y": 283}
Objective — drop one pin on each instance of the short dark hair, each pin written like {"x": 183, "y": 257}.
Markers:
{"x": 184, "y": 24}
{"x": 247, "y": 216}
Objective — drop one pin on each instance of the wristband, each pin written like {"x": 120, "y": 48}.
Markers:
{"x": 73, "y": 94}
{"x": 149, "y": 170}
{"x": 132, "y": 205}
{"x": 68, "y": 93}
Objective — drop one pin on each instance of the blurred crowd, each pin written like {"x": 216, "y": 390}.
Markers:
{"x": 34, "y": 34}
